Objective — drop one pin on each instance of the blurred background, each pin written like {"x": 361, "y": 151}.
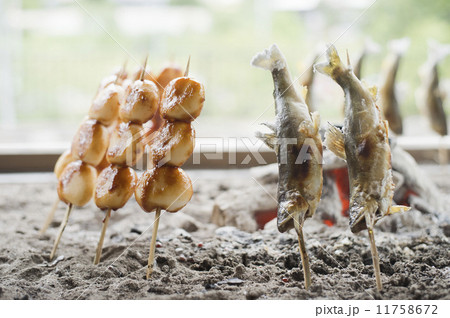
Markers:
{"x": 53, "y": 54}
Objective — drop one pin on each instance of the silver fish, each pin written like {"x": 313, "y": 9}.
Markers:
{"x": 388, "y": 97}
{"x": 297, "y": 143}
{"x": 429, "y": 95}
{"x": 364, "y": 144}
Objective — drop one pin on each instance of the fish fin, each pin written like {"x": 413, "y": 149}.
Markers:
{"x": 334, "y": 62}
{"x": 386, "y": 129}
{"x": 303, "y": 91}
{"x": 334, "y": 141}
{"x": 398, "y": 209}
{"x": 310, "y": 128}
{"x": 269, "y": 139}
{"x": 291, "y": 210}
{"x": 315, "y": 116}
{"x": 373, "y": 90}
{"x": 271, "y": 126}
{"x": 270, "y": 59}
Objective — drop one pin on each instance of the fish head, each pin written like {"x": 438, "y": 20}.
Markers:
{"x": 292, "y": 210}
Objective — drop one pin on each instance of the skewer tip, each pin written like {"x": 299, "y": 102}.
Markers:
{"x": 186, "y": 72}
{"x": 143, "y": 69}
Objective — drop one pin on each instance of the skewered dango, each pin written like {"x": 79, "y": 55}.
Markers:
{"x": 75, "y": 187}
{"x": 77, "y": 180}
{"x": 114, "y": 187}
{"x": 90, "y": 142}
{"x": 116, "y": 183}
{"x": 166, "y": 186}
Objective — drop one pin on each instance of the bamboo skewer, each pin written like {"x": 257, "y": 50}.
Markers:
{"x": 375, "y": 259}
{"x": 303, "y": 254}
{"x": 61, "y": 230}
{"x": 50, "y": 217}
{"x": 98, "y": 253}
{"x": 143, "y": 69}
{"x": 442, "y": 152}
{"x": 151, "y": 256}
{"x": 186, "y": 72}
{"x": 374, "y": 252}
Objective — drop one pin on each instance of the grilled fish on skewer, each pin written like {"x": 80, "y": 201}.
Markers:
{"x": 298, "y": 146}
{"x": 388, "y": 98}
{"x": 429, "y": 95}
{"x": 365, "y": 146}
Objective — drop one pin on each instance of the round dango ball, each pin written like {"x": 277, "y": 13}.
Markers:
{"x": 141, "y": 103}
{"x": 114, "y": 187}
{"x": 90, "y": 142}
{"x": 182, "y": 99}
{"x": 126, "y": 146}
{"x": 76, "y": 183}
{"x": 173, "y": 144}
{"x": 168, "y": 188}
{"x": 105, "y": 107}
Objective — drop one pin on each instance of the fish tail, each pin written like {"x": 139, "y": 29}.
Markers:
{"x": 334, "y": 67}
{"x": 399, "y": 46}
{"x": 437, "y": 51}
{"x": 270, "y": 59}
{"x": 371, "y": 47}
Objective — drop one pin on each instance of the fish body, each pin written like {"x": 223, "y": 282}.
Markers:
{"x": 388, "y": 97}
{"x": 364, "y": 144}
{"x": 296, "y": 141}
{"x": 430, "y": 97}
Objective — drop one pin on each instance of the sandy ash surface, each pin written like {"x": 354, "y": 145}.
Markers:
{"x": 198, "y": 260}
